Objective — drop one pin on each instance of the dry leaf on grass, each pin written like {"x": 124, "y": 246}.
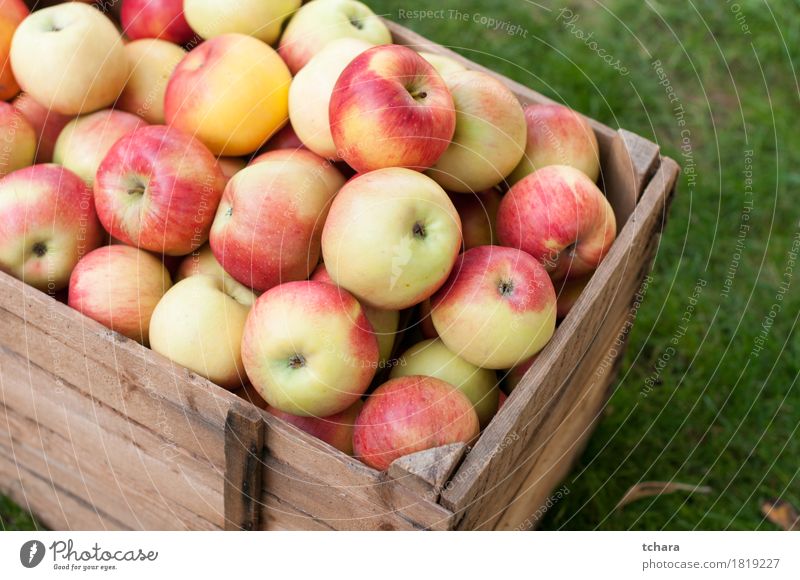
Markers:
{"x": 782, "y": 514}
{"x": 654, "y": 488}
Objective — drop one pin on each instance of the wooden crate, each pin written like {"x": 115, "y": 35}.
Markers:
{"x": 98, "y": 432}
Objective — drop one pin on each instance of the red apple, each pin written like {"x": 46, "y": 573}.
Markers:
{"x": 496, "y": 309}
{"x": 268, "y": 226}
{"x": 568, "y": 294}
{"x": 47, "y": 223}
{"x": 557, "y": 135}
{"x": 47, "y": 125}
{"x": 162, "y": 19}
{"x": 308, "y": 349}
{"x": 390, "y": 108}
{"x": 286, "y": 138}
{"x": 336, "y": 430}
{"x": 514, "y": 375}
{"x": 158, "y": 189}
{"x": 119, "y": 287}
{"x": 478, "y": 213}
{"x": 411, "y": 414}
{"x": 560, "y": 217}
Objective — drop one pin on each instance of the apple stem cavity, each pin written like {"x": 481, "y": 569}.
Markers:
{"x": 506, "y": 288}
{"x": 419, "y": 230}
{"x": 39, "y": 249}
{"x": 357, "y": 23}
{"x": 419, "y": 95}
{"x": 297, "y": 361}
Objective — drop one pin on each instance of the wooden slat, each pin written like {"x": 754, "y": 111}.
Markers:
{"x": 427, "y": 472}
{"x": 631, "y": 163}
{"x": 479, "y": 491}
{"x": 117, "y": 373}
{"x": 244, "y": 444}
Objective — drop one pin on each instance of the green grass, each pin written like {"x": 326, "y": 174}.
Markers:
{"x": 719, "y": 417}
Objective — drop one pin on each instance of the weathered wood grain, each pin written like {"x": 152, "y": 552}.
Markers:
{"x": 244, "y": 446}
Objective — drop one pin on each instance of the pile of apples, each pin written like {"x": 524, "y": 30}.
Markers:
{"x": 268, "y": 217}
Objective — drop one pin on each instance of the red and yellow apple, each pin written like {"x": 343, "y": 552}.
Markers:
{"x": 199, "y": 324}
{"x": 119, "y": 287}
{"x": 497, "y": 309}
{"x": 86, "y": 140}
{"x": 70, "y": 58}
{"x": 308, "y": 349}
{"x": 560, "y": 217}
{"x": 158, "y": 189}
{"x": 390, "y": 108}
{"x": 391, "y": 238}
{"x": 384, "y": 323}
{"x": 151, "y": 63}
{"x": 489, "y": 138}
{"x": 47, "y": 223}
{"x": 320, "y": 22}
{"x": 162, "y": 19}
{"x": 431, "y": 358}
{"x": 17, "y": 140}
{"x": 263, "y": 20}
{"x": 478, "y": 213}
{"x": 411, "y": 414}
{"x": 557, "y": 135}
{"x": 231, "y": 92}
{"x": 311, "y": 90}
{"x": 12, "y": 12}
{"x": 46, "y": 124}
{"x": 268, "y": 225}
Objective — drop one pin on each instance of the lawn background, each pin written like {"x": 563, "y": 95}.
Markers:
{"x": 713, "y": 412}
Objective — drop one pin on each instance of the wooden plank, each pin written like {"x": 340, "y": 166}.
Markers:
{"x": 120, "y": 467}
{"x": 427, "y": 472}
{"x": 631, "y": 163}
{"x": 244, "y": 443}
{"x": 480, "y": 487}
{"x": 561, "y": 441}
{"x": 331, "y": 486}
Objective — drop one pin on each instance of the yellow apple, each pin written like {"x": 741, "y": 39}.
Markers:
{"x": 199, "y": 324}
{"x": 69, "y": 57}
{"x": 151, "y": 63}
{"x": 259, "y": 18}
{"x": 231, "y": 92}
